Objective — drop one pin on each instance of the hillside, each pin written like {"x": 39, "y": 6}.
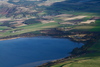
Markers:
{"x": 22, "y": 8}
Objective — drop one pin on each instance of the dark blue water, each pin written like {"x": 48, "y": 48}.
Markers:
{"x": 29, "y": 52}
{"x": 84, "y": 0}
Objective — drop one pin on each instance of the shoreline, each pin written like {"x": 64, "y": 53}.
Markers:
{"x": 54, "y": 62}
{"x": 9, "y": 38}
{"x": 55, "y": 36}
{"x": 83, "y": 52}
{"x": 51, "y": 36}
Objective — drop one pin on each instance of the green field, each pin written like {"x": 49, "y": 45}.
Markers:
{"x": 28, "y": 28}
{"x": 4, "y": 27}
{"x": 96, "y": 26}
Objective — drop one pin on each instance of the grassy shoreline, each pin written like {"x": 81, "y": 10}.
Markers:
{"x": 87, "y": 54}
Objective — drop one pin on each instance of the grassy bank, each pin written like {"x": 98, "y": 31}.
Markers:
{"x": 91, "y": 59}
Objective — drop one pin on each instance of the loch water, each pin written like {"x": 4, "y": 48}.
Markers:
{"x": 33, "y": 51}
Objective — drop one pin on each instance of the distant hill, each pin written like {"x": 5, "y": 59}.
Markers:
{"x": 22, "y": 8}
{"x": 16, "y": 8}
{"x": 27, "y": 8}
{"x": 91, "y": 6}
